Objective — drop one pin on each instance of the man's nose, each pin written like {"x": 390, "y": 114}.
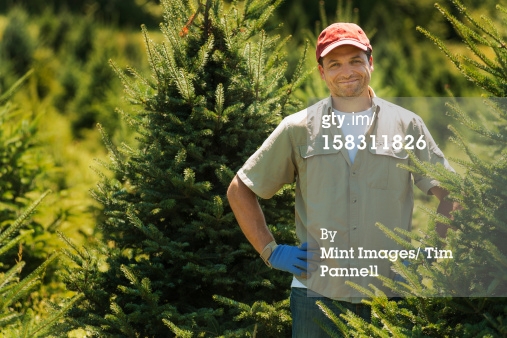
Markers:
{"x": 347, "y": 71}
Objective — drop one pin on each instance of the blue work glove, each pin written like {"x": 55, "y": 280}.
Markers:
{"x": 296, "y": 260}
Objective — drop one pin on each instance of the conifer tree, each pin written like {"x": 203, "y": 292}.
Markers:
{"x": 479, "y": 229}
{"x": 18, "y": 173}
{"x": 16, "y": 320}
{"x": 20, "y": 273}
{"x": 22, "y": 165}
{"x": 176, "y": 262}
{"x": 16, "y": 46}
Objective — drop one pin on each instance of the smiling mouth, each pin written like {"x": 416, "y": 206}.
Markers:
{"x": 348, "y": 81}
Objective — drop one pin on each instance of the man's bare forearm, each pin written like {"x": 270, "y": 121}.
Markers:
{"x": 249, "y": 214}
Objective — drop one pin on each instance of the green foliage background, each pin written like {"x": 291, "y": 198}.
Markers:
{"x": 67, "y": 45}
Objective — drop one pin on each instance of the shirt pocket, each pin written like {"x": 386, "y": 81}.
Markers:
{"x": 382, "y": 169}
{"x": 321, "y": 169}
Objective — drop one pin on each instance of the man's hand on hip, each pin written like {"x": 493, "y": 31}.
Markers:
{"x": 296, "y": 260}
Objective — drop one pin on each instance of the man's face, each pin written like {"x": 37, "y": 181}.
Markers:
{"x": 347, "y": 71}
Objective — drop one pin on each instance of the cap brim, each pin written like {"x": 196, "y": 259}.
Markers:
{"x": 341, "y": 43}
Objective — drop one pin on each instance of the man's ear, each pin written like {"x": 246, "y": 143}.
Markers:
{"x": 321, "y": 71}
{"x": 371, "y": 62}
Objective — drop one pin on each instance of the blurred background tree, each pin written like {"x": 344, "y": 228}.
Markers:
{"x": 120, "y": 13}
{"x": 31, "y": 291}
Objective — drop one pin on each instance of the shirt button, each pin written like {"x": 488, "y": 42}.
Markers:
{"x": 354, "y": 201}
{"x": 355, "y": 228}
{"x": 353, "y": 173}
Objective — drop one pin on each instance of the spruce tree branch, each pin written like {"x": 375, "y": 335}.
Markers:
{"x": 501, "y": 57}
{"x": 28, "y": 282}
{"x": 113, "y": 151}
{"x": 151, "y": 57}
{"x": 176, "y": 330}
{"x": 463, "y": 30}
{"x": 266, "y": 14}
{"x": 298, "y": 77}
{"x": 259, "y": 64}
{"x": 83, "y": 255}
{"x": 334, "y": 318}
{"x": 495, "y": 34}
{"x": 207, "y": 20}
{"x": 497, "y": 107}
{"x": 19, "y": 221}
{"x": 323, "y": 15}
{"x": 26, "y": 324}
{"x": 8, "y": 318}
{"x": 491, "y": 33}
{"x": 482, "y": 81}
{"x": 495, "y": 71}
{"x": 15, "y": 241}
{"x": 389, "y": 233}
{"x": 47, "y": 324}
{"x": 493, "y": 68}
{"x": 501, "y": 9}
{"x": 121, "y": 321}
{"x": 8, "y": 276}
{"x": 470, "y": 124}
{"x": 8, "y": 94}
{"x": 441, "y": 45}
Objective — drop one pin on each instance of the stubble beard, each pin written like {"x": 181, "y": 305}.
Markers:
{"x": 350, "y": 91}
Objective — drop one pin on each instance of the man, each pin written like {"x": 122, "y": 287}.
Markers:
{"x": 347, "y": 179}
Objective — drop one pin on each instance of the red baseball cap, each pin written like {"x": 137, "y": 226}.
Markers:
{"x": 341, "y": 33}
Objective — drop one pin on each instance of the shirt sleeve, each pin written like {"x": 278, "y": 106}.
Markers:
{"x": 430, "y": 153}
{"x": 272, "y": 165}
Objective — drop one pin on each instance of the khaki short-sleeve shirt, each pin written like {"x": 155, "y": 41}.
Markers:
{"x": 343, "y": 198}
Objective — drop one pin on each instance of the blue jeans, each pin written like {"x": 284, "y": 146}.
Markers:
{"x": 306, "y": 314}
